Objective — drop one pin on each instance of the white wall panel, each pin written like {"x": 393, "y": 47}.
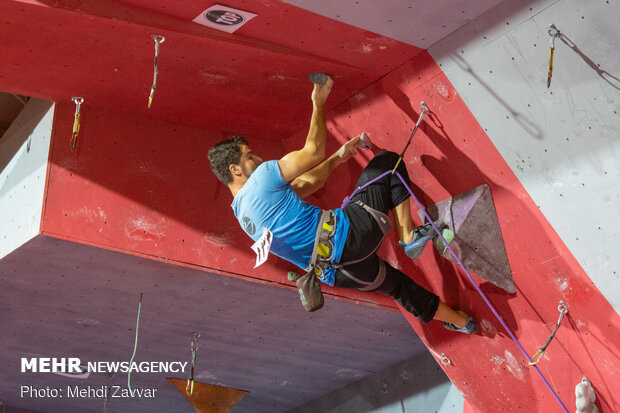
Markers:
{"x": 563, "y": 143}
{"x": 409, "y": 21}
{"x": 24, "y": 150}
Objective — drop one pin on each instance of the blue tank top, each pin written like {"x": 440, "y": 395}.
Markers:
{"x": 268, "y": 201}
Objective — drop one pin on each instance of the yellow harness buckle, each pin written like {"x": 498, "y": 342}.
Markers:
{"x": 323, "y": 250}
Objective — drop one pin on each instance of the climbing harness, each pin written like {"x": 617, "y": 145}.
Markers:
{"x": 76, "y": 121}
{"x": 553, "y": 32}
{"x": 384, "y": 223}
{"x": 135, "y": 346}
{"x": 189, "y": 389}
{"x": 541, "y": 352}
{"x": 386, "y": 226}
{"x": 323, "y": 249}
{"x": 382, "y": 219}
{"x": 423, "y": 112}
{"x": 368, "y": 286}
{"x": 323, "y": 253}
{"x": 159, "y": 39}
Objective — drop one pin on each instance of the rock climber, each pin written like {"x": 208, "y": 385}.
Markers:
{"x": 270, "y": 195}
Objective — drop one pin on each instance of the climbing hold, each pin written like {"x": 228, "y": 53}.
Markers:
{"x": 319, "y": 78}
{"x": 477, "y": 239}
{"x": 292, "y": 276}
{"x": 448, "y": 235}
{"x": 364, "y": 142}
{"x": 585, "y": 397}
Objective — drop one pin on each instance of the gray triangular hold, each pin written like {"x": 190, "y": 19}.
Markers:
{"x": 478, "y": 240}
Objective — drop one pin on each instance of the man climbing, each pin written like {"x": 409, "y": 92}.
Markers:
{"x": 269, "y": 195}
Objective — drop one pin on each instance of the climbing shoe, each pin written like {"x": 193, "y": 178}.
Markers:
{"x": 422, "y": 235}
{"x": 470, "y": 328}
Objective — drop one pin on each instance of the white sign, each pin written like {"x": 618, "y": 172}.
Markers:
{"x": 262, "y": 246}
{"x": 223, "y": 18}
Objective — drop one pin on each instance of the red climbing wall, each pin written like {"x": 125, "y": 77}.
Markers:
{"x": 450, "y": 155}
{"x": 139, "y": 181}
{"x": 123, "y": 190}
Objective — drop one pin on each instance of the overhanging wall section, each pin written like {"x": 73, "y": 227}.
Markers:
{"x": 452, "y": 154}
{"x": 145, "y": 187}
{"x": 24, "y": 150}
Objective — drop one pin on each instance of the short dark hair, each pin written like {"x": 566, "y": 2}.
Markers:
{"x": 224, "y": 154}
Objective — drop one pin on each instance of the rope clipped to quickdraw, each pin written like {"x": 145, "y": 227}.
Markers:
{"x": 541, "y": 352}
{"x": 553, "y": 32}
{"x": 159, "y": 39}
{"x": 76, "y": 121}
{"x": 423, "y": 111}
{"x": 189, "y": 389}
{"x": 135, "y": 346}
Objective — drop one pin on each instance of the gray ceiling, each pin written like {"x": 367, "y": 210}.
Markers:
{"x": 62, "y": 299}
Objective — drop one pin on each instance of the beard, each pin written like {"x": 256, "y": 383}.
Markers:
{"x": 249, "y": 169}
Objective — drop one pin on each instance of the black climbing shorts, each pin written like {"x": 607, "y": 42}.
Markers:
{"x": 365, "y": 235}
{"x": 388, "y": 192}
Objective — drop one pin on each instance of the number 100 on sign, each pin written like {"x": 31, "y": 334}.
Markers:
{"x": 224, "y": 18}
